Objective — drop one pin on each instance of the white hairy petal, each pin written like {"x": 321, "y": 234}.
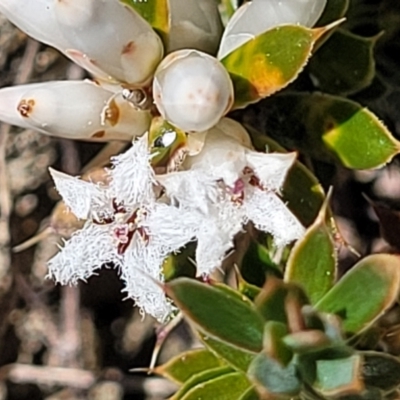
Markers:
{"x": 192, "y": 90}
{"x": 194, "y": 25}
{"x": 216, "y": 234}
{"x": 71, "y": 109}
{"x": 258, "y": 16}
{"x": 171, "y": 227}
{"x": 140, "y": 271}
{"x": 271, "y": 169}
{"x": 84, "y": 253}
{"x": 83, "y": 198}
{"x": 114, "y": 37}
{"x": 132, "y": 177}
{"x": 270, "y": 214}
{"x": 37, "y": 19}
{"x": 192, "y": 189}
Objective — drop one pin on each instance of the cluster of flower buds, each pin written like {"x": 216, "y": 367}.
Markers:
{"x": 213, "y": 192}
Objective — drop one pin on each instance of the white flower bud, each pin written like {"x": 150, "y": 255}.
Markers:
{"x": 114, "y": 37}
{"x": 194, "y": 25}
{"x": 192, "y": 90}
{"x": 105, "y": 37}
{"x": 36, "y": 18}
{"x": 72, "y": 109}
{"x": 258, "y": 16}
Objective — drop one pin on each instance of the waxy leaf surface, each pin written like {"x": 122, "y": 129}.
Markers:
{"x": 313, "y": 259}
{"x": 331, "y": 128}
{"x": 269, "y": 62}
{"x": 364, "y": 293}
{"x": 218, "y": 313}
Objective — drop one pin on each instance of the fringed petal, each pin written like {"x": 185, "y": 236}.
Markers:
{"x": 84, "y": 253}
{"x": 270, "y": 214}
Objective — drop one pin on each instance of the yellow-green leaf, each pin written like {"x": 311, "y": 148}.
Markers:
{"x": 313, "y": 259}
{"x": 226, "y": 387}
{"x": 365, "y": 292}
{"x": 270, "y": 61}
{"x": 185, "y": 365}
{"x": 331, "y": 128}
{"x": 201, "y": 378}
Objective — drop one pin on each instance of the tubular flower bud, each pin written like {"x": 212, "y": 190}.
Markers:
{"x": 192, "y": 90}
{"x": 258, "y": 16}
{"x": 72, "y": 109}
{"x": 103, "y": 36}
{"x": 194, "y": 25}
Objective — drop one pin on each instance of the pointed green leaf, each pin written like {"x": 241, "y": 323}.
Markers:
{"x": 344, "y": 64}
{"x": 199, "y": 379}
{"x": 273, "y": 344}
{"x": 272, "y": 378}
{"x": 313, "y": 259}
{"x": 365, "y": 292}
{"x": 218, "y": 313}
{"x": 269, "y": 62}
{"x": 185, "y": 365}
{"x": 381, "y": 370}
{"x": 236, "y": 357}
{"x": 331, "y": 128}
{"x": 339, "y": 376}
{"x": 301, "y": 190}
{"x": 155, "y": 12}
{"x": 226, "y": 387}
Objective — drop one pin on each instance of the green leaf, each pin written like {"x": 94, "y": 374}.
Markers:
{"x": 313, "y": 259}
{"x": 301, "y": 190}
{"x": 331, "y": 128}
{"x": 236, "y": 357}
{"x": 344, "y": 64}
{"x": 365, "y": 292}
{"x": 272, "y": 378}
{"x": 273, "y": 300}
{"x": 339, "y": 376}
{"x": 270, "y": 61}
{"x": 185, "y": 365}
{"x": 155, "y": 12}
{"x": 307, "y": 340}
{"x": 200, "y": 378}
{"x": 218, "y": 313}
{"x": 381, "y": 370}
{"x": 273, "y": 345}
{"x": 226, "y": 387}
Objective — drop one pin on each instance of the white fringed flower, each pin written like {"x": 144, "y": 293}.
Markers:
{"x": 105, "y": 37}
{"x": 229, "y": 185}
{"x": 194, "y": 24}
{"x": 258, "y": 16}
{"x": 125, "y": 226}
{"x": 192, "y": 90}
{"x": 72, "y": 109}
